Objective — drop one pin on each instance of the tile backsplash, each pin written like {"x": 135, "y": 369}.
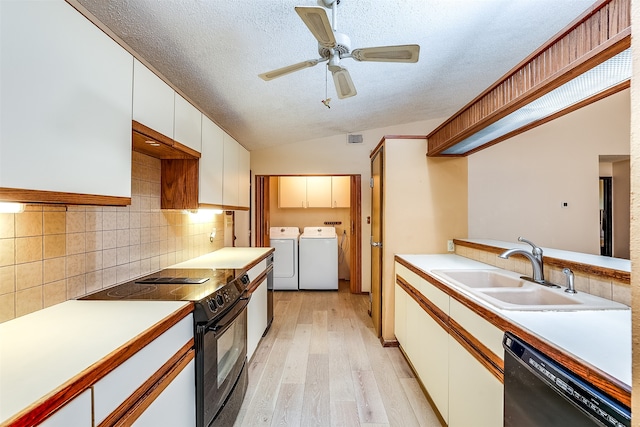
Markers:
{"x": 50, "y": 254}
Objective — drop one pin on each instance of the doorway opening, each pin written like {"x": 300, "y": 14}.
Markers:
{"x": 346, "y": 219}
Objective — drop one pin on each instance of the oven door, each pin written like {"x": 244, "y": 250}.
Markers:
{"x": 222, "y": 358}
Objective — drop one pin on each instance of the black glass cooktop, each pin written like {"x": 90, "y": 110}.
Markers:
{"x": 169, "y": 285}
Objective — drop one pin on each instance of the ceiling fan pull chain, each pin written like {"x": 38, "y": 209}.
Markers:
{"x": 326, "y": 99}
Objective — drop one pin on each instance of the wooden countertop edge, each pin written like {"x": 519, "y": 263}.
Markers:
{"x": 611, "y": 273}
{"x": 584, "y": 370}
{"x": 258, "y": 260}
{"x": 46, "y": 406}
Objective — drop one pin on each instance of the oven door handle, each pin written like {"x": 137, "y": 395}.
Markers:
{"x": 230, "y": 317}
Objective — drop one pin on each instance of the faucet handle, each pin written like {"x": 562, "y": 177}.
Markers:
{"x": 536, "y": 250}
{"x": 571, "y": 288}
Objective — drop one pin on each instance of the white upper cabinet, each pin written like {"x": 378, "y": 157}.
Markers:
{"x": 318, "y": 191}
{"x": 231, "y": 171}
{"x": 340, "y": 191}
{"x": 314, "y": 191}
{"x": 211, "y": 163}
{"x": 244, "y": 177}
{"x": 153, "y": 100}
{"x": 292, "y": 192}
{"x": 65, "y": 102}
{"x": 188, "y": 124}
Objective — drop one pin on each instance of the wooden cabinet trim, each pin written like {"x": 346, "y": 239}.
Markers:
{"x": 40, "y": 410}
{"x": 143, "y": 397}
{"x": 610, "y": 273}
{"x": 608, "y": 28}
{"x": 39, "y": 196}
{"x": 478, "y": 350}
{"x": 584, "y": 370}
{"x": 168, "y": 148}
{"x": 258, "y": 260}
{"x": 259, "y": 280}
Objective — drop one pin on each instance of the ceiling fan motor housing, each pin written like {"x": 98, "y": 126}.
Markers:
{"x": 343, "y": 46}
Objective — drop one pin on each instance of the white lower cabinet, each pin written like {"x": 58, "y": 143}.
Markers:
{"x": 427, "y": 349}
{"x": 75, "y": 413}
{"x": 400, "y": 314}
{"x": 463, "y": 390}
{"x": 475, "y": 395}
{"x": 256, "y": 318}
{"x": 176, "y": 405}
{"x": 118, "y": 385}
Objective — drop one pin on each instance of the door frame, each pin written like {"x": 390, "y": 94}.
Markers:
{"x": 377, "y": 277}
{"x": 262, "y": 221}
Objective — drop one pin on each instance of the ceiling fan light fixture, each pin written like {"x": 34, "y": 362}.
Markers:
{"x": 344, "y": 85}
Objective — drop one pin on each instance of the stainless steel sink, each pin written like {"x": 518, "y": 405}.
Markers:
{"x": 507, "y": 291}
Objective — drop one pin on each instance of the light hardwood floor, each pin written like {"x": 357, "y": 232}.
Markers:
{"x": 322, "y": 365}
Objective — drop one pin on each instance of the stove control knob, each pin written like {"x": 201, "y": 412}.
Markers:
{"x": 220, "y": 300}
{"x": 212, "y": 305}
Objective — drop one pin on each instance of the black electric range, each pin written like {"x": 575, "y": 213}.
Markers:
{"x": 212, "y": 291}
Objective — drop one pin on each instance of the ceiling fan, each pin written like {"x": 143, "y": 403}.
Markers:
{"x": 334, "y": 46}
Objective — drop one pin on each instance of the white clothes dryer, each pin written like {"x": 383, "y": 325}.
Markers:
{"x": 319, "y": 258}
{"x": 285, "y": 257}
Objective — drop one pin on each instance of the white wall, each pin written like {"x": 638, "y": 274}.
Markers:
{"x": 516, "y": 187}
{"x": 333, "y": 155}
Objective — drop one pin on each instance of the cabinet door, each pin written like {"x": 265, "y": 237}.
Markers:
{"x": 318, "y": 191}
{"x": 211, "y": 164}
{"x": 75, "y": 413}
{"x": 244, "y": 177}
{"x": 66, "y": 102}
{"x": 341, "y": 191}
{"x": 400, "y": 315}
{"x": 119, "y": 384}
{"x": 292, "y": 192}
{"x": 230, "y": 180}
{"x": 187, "y": 124}
{"x": 427, "y": 348}
{"x": 256, "y": 318}
{"x": 153, "y": 100}
{"x": 176, "y": 405}
{"x": 475, "y": 395}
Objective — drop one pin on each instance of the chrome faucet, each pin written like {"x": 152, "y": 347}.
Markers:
{"x": 535, "y": 256}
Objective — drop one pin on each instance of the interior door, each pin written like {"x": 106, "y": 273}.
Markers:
{"x": 376, "y": 240}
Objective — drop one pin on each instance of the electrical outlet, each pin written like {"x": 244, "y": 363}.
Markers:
{"x": 450, "y": 246}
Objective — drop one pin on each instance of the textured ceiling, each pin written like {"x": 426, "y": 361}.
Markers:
{"x": 213, "y": 51}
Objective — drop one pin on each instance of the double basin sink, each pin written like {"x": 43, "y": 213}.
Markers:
{"x": 509, "y": 291}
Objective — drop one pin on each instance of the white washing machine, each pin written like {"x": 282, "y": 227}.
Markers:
{"x": 285, "y": 257}
{"x": 319, "y": 258}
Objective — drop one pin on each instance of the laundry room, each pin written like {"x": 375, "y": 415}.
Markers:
{"x": 319, "y": 206}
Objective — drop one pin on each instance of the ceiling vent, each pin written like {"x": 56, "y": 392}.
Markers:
{"x": 355, "y": 139}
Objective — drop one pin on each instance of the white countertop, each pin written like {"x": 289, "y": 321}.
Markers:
{"x": 232, "y": 257}
{"x": 41, "y": 351}
{"x": 602, "y": 338}
{"x": 582, "y": 258}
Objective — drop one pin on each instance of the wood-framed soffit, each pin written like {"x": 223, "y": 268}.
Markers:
{"x": 598, "y": 39}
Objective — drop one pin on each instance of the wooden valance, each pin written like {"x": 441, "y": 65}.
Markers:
{"x": 600, "y": 33}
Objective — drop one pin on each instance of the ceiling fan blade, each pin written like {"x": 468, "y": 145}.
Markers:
{"x": 270, "y": 75}
{"x": 318, "y": 23}
{"x": 401, "y": 53}
{"x": 344, "y": 84}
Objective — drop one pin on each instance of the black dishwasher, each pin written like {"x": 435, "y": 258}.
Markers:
{"x": 540, "y": 392}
